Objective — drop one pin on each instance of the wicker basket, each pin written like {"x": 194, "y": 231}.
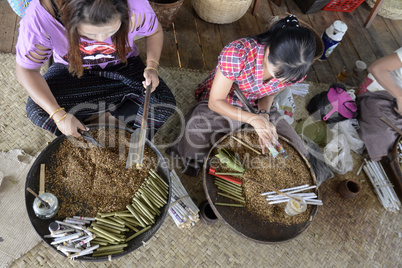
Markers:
{"x": 221, "y": 11}
{"x": 391, "y": 9}
{"x": 166, "y": 11}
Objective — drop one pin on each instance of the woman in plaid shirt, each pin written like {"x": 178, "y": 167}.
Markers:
{"x": 261, "y": 66}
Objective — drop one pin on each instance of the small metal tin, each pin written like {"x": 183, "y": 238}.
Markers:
{"x": 54, "y": 226}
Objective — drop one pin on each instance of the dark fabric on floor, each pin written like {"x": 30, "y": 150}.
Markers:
{"x": 377, "y": 136}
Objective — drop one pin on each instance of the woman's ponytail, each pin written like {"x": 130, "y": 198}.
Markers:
{"x": 291, "y": 48}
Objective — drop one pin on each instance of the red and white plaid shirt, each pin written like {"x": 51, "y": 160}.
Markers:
{"x": 242, "y": 62}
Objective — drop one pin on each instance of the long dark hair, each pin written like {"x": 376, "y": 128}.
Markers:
{"x": 291, "y": 48}
{"x": 95, "y": 12}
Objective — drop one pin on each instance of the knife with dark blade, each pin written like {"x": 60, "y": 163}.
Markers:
{"x": 85, "y": 134}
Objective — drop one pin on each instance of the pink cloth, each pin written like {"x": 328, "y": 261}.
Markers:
{"x": 39, "y": 27}
{"x": 363, "y": 85}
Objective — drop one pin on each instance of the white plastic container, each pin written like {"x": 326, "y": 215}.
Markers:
{"x": 332, "y": 36}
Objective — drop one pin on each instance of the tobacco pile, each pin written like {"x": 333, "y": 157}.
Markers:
{"x": 279, "y": 173}
{"x": 87, "y": 179}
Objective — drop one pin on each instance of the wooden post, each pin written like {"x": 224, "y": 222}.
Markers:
{"x": 277, "y": 2}
{"x": 373, "y": 13}
{"x": 255, "y": 7}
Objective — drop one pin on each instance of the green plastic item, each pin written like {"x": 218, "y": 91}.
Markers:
{"x": 314, "y": 130}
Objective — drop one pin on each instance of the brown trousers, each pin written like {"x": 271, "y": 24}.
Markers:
{"x": 377, "y": 136}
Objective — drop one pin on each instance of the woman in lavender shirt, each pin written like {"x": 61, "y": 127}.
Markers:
{"x": 96, "y": 65}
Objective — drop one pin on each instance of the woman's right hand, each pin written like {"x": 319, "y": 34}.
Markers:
{"x": 69, "y": 125}
{"x": 265, "y": 130}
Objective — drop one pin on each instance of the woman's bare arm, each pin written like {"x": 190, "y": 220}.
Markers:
{"x": 381, "y": 70}
{"x": 217, "y": 102}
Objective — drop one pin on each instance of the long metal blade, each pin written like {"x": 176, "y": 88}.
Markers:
{"x": 88, "y": 137}
{"x": 136, "y": 149}
{"x": 137, "y": 140}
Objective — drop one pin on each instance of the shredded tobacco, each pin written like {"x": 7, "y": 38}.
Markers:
{"x": 279, "y": 173}
{"x": 87, "y": 179}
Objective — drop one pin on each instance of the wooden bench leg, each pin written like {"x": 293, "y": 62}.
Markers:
{"x": 256, "y": 3}
{"x": 373, "y": 13}
{"x": 277, "y": 2}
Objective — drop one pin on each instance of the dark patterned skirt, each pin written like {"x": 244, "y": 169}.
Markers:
{"x": 105, "y": 90}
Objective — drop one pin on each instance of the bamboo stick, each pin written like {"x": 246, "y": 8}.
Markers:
{"x": 246, "y": 145}
{"x": 109, "y": 222}
{"x": 107, "y": 253}
{"x": 112, "y": 247}
{"x": 229, "y": 205}
{"x": 130, "y": 207}
{"x": 108, "y": 228}
{"x": 232, "y": 197}
{"x": 138, "y": 233}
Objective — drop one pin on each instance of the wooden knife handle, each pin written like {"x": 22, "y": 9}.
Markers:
{"x": 389, "y": 123}
{"x": 146, "y": 107}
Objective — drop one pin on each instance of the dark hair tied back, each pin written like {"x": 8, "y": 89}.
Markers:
{"x": 291, "y": 21}
{"x": 291, "y": 48}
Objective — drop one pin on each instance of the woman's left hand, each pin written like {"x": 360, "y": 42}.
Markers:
{"x": 151, "y": 77}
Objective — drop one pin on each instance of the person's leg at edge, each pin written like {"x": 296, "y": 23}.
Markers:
{"x": 203, "y": 128}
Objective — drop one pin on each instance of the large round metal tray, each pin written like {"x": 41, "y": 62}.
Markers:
{"x": 393, "y": 169}
{"x": 41, "y": 226}
{"x": 252, "y": 228}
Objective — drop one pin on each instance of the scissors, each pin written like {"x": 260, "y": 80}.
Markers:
{"x": 85, "y": 134}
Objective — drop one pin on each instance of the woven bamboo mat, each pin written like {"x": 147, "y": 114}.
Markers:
{"x": 16, "y": 131}
{"x": 344, "y": 233}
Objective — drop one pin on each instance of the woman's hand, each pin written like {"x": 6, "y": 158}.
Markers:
{"x": 265, "y": 130}
{"x": 69, "y": 125}
{"x": 151, "y": 76}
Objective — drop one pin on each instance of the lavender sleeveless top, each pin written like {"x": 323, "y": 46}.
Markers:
{"x": 38, "y": 27}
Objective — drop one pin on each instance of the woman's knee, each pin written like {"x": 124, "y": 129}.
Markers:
{"x": 34, "y": 111}
{"x": 40, "y": 117}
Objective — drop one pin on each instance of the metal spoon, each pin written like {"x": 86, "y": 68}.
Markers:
{"x": 43, "y": 202}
